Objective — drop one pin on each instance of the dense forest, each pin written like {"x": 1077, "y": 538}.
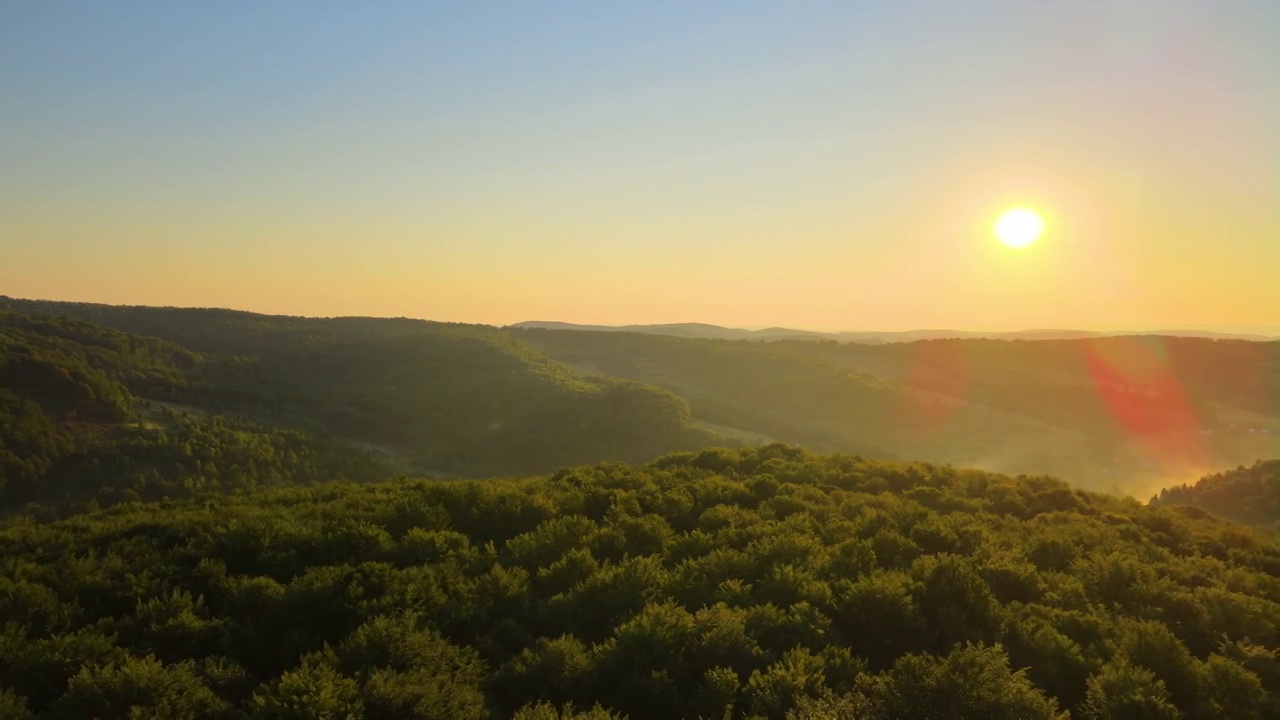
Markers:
{"x": 1246, "y": 494}
{"x": 78, "y": 427}
{"x": 425, "y": 397}
{"x": 1119, "y": 414}
{"x": 201, "y": 525}
{"x": 764, "y": 583}
{"x": 1126, "y": 415}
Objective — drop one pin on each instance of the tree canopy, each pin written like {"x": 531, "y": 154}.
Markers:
{"x": 764, "y": 583}
{"x": 89, "y": 412}
{"x": 1246, "y": 494}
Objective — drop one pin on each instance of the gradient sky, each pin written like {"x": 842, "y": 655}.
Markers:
{"x": 823, "y": 165}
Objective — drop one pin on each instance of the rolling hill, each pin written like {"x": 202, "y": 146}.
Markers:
{"x": 717, "y": 332}
{"x": 1122, "y": 414}
{"x": 425, "y": 397}
{"x": 1125, "y": 414}
{"x": 1246, "y": 494}
{"x": 91, "y": 416}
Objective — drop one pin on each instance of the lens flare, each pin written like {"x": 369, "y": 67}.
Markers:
{"x": 1136, "y": 382}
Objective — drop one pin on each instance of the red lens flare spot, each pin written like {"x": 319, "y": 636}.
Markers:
{"x": 1138, "y": 386}
{"x": 939, "y": 376}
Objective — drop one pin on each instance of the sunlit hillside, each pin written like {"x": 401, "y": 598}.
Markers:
{"x": 1246, "y": 494}
{"x": 1120, "y": 414}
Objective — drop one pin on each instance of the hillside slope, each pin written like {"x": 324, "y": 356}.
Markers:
{"x": 766, "y": 388}
{"x": 1246, "y": 494}
{"x": 447, "y": 398}
{"x": 79, "y": 427}
{"x": 763, "y": 583}
{"x": 1123, "y": 414}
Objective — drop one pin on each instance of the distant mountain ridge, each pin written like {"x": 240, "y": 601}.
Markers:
{"x": 717, "y": 332}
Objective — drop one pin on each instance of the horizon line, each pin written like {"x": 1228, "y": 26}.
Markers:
{"x": 1261, "y": 332}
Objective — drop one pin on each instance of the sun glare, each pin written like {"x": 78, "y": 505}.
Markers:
{"x": 1019, "y": 227}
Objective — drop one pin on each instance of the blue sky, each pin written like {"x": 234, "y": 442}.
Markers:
{"x": 811, "y": 164}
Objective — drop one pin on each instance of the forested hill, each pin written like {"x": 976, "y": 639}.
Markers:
{"x": 763, "y": 583}
{"x": 441, "y": 398}
{"x": 1246, "y": 494}
{"x": 1126, "y": 415}
{"x": 91, "y": 416}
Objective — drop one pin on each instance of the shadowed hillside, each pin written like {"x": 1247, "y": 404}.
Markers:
{"x": 445, "y": 398}
{"x": 91, "y": 416}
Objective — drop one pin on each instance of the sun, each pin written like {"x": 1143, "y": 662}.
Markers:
{"x": 1019, "y": 227}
